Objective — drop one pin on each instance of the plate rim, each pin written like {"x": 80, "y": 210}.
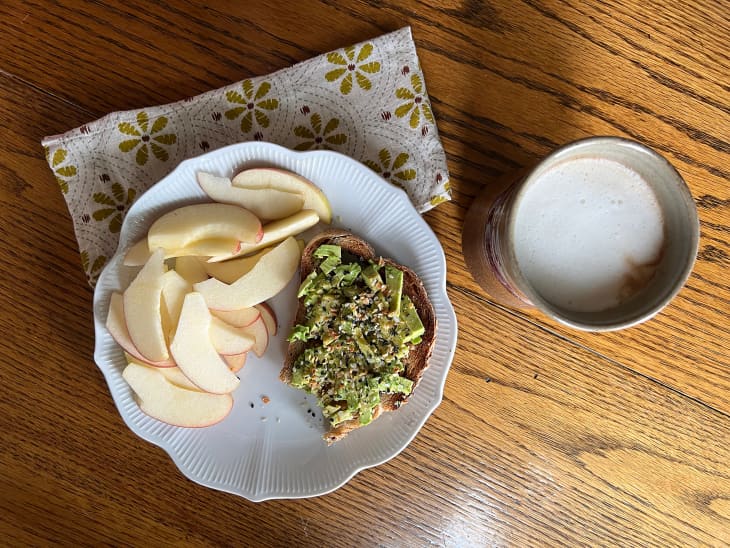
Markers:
{"x": 448, "y": 311}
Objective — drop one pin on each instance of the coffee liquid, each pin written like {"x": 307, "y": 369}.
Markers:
{"x": 588, "y": 234}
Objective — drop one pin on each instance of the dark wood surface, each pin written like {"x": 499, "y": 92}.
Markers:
{"x": 546, "y": 435}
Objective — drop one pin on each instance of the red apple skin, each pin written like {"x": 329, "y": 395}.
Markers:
{"x": 206, "y": 425}
{"x": 270, "y": 321}
{"x": 259, "y": 332}
{"x": 229, "y": 316}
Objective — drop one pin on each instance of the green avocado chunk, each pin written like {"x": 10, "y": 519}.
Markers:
{"x": 325, "y": 250}
{"x": 358, "y": 331}
{"x": 332, "y": 255}
{"x": 306, "y": 284}
{"x": 410, "y": 316}
{"x": 372, "y": 277}
{"x": 394, "y": 283}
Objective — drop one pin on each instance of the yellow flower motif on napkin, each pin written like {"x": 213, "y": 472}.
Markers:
{"x": 116, "y": 206}
{"x": 353, "y": 62}
{"x": 446, "y": 195}
{"x": 416, "y": 102}
{"x": 254, "y": 103}
{"x": 390, "y": 169}
{"x": 92, "y": 269}
{"x": 145, "y": 136}
{"x": 319, "y": 137}
{"x": 61, "y": 172}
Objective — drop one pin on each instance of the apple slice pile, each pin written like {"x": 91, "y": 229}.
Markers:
{"x": 197, "y": 306}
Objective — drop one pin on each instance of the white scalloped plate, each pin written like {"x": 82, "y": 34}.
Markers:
{"x": 275, "y": 450}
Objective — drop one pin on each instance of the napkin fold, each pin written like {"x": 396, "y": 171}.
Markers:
{"x": 367, "y": 101}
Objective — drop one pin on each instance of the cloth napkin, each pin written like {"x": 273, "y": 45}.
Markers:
{"x": 368, "y": 101}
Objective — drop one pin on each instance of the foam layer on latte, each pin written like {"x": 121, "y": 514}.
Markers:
{"x": 588, "y": 234}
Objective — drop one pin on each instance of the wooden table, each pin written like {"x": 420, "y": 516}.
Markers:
{"x": 545, "y": 435}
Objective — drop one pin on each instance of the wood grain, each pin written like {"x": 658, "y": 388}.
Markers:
{"x": 546, "y": 436}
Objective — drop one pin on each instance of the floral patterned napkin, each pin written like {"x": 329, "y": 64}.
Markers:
{"x": 368, "y": 101}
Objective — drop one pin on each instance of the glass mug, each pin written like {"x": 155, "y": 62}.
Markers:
{"x": 600, "y": 235}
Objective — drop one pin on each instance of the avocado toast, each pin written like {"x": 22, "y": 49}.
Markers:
{"x": 363, "y": 334}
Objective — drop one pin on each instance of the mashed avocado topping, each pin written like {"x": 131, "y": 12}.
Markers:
{"x": 359, "y": 328}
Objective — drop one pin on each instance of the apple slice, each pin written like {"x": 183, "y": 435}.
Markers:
{"x": 275, "y": 232}
{"x": 208, "y": 247}
{"x": 258, "y": 330}
{"x": 191, "y": 269}
{"x": 142, "y": 315}
{"x": 279, "y": 179}
{"x": 194, "y": 352}
{"x": 267, "y": 313}
{"x": 269, "y": 276}
{"x": 185, "y": 225}
{"x": 265, "y": 203}
{"x": 117, "y": 327}
{"x": 238, "y": 318}
{"x": 235, "y": 362}
{"x": 138, "y": 254}
{"x": 172, "y": 374}
{"x": 229, "y": 271}
{"x": 174, "y": 289}
{"x": 162, "y": 400}
{"x": 228, "y": 340}
{"x": 178, "y": 378}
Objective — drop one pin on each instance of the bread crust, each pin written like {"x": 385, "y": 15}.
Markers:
{"x": 418, "y": 357}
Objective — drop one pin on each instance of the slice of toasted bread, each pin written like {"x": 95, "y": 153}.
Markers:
{"x": 418, "y": 357}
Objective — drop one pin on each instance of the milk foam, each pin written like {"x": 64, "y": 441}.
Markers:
{"x": 588, "y": 234}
